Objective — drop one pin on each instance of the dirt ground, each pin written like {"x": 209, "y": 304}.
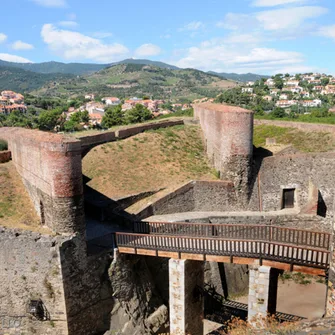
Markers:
{"x": 302, "y": 300}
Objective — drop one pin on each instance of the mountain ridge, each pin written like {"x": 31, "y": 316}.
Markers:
{"x": 89, "y": 68}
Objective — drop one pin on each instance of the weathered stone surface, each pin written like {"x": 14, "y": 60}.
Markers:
{"x": 138, "y": 308}
{"x": 228, "y": 133}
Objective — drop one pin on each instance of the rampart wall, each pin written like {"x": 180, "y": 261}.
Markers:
{"x": 90, "y": 141}
{"x": 50, "y": 167}
{"x": 74, "y": 288}
{"x": 228, "y": 134}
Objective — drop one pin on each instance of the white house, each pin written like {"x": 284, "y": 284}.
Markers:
{"x": 247, "y": 90}
{"x": 111, "y": 101}
{"x": 283, "y": 96}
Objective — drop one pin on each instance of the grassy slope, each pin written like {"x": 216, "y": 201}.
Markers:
{"x": 16, "y": 208}
{"x": 303, "y": 141}
{"x": 148, "y": 161}
{"x": 171, "y": 156}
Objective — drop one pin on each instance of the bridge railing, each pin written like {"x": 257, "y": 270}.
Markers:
{"x": 281, "y": 252}
{"x": 239, "y": 232}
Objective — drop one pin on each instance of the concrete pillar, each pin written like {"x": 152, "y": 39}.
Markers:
{"x": 186, "y": 301}
{"x": 263, "y": 285}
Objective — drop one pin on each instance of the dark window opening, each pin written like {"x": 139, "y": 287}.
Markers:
{"x": 42, "y": 213}
{"x": 288, "y": 198}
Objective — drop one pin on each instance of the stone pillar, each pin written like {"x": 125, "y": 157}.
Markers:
{"x": 186, "y": 301}
{"x": 263, "y": 285}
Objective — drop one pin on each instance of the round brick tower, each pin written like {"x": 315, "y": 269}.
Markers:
{"x": 228, "y": 134}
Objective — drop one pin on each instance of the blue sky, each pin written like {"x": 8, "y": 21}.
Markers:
{"x": 261, "y": 36}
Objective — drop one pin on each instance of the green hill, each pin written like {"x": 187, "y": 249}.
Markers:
{"x": 240, "y": 77}
{"x": 20, "y": 80}
{"x": 126, "y": 80}
{"x": 79, "y": 68}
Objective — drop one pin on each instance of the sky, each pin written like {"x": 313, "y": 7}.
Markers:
{"x": 259, "y": 36}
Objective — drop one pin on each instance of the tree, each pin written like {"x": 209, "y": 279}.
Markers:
{"x": 18, "y": 119}
{"x": 137, "y": 114}
{"x": 278, "y": 113}
{"x": 279, "y": 83}
{"x": 113, "y": 116}
{"x": 48, "y": 120}
{"x": 325, "y": 81}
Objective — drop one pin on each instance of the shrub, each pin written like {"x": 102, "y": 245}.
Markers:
{"x": 3, "y": 145}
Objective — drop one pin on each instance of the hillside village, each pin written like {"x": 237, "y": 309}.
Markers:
{"x": 10, "y": 101}
{"x": 277, "y": 96}
{"x": 285, "y": 91}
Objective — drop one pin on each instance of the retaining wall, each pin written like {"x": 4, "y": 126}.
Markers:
{"x": 195, "y": 196}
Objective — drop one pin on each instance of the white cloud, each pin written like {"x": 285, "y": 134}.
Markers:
{"x": 288, "y": 18}
{"x": 19, "y": 45}
{"x": 3, "y": 37}
{"x": 192, "y": 26}
{"x": 146, "y": 50}
{"x": 14, "y": 58}
{"x": 74, "y": 45}
{"x": 225, "y": 57}
{"x": 68, "y": 24}
{"x": 51, "y": 3}
{"x": 327, "y": 31}
{"x": 237, "y": 21}
{"x": 272, "y": 3}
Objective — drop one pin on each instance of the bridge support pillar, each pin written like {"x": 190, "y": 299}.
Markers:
{"x": 186, "y": 301}
{"x": 263, "y": 285}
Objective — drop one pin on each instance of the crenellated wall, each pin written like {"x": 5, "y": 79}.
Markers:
{"x": 50, "y": 167}
{"x": 228, "y": 134}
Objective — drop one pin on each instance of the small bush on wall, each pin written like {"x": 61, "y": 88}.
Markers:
{"x": 3, "y": 145}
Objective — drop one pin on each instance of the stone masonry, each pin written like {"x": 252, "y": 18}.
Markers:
{"x": 186, "y": 302}
{"x": 228, "y": 133}
{"x": 262, "y": 301}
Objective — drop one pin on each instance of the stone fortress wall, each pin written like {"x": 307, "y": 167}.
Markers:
{"x": 228, "y": 134}
{"x": 50, "y": 167}
{"x": 73, "y": 286}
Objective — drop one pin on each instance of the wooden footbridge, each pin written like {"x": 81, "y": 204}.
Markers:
{"x": 279, "y": 247}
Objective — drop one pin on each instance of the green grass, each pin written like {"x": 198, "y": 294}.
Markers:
{"x": 301, "y": 140}
{"x": 301, "y": 118}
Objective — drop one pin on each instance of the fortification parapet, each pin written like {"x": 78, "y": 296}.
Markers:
{"x": 228, "y": 134}
{"x": 50, "y": 166}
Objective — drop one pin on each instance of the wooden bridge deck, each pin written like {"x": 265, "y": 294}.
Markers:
{"x": 284, "y": 248}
